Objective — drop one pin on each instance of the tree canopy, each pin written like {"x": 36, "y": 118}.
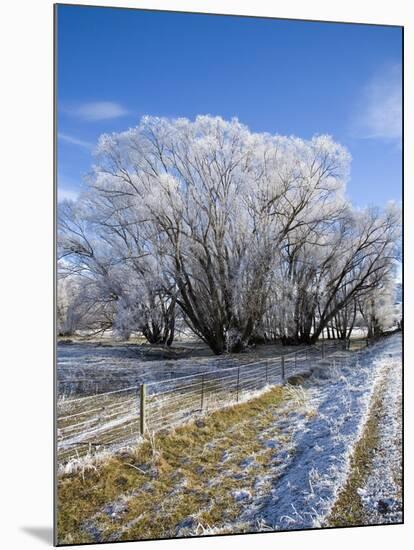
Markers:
{"x": 242, "y": 235}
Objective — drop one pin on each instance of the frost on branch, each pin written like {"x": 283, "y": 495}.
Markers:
{"x": 244, "y": 236}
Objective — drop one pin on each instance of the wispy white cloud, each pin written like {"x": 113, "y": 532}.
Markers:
{"x": 67, "y": 188}
{"x": 75, "y": 141}
{"x": 379, "y": 112}
{"x": 67, "y": 194}
{"x": 98, "y": 110}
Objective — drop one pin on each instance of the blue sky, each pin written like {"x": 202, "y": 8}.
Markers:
{"x": 287, "y": 77}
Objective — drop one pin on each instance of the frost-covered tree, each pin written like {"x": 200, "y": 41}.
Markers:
{"x": 114, "y": 268}
{"x": 80, "y": 305}
{"x": 216, "y": 202}
{"x": 377, "y": 308}
{"x": 249, "y": 234}
{"x": 362, "y": 259}
{"x": 67, "y": 316}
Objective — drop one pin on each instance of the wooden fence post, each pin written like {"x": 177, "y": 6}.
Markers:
{"x": 202, "y": 391}
{"x": 283, "y": 369}
{"x": 142, "y": 420}
{"x": 237, "y": 386}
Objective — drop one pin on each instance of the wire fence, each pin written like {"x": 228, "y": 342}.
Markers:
{"x": 119, "y": 418}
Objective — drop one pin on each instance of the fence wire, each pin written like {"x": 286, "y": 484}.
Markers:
{"x": 113, "y": 419}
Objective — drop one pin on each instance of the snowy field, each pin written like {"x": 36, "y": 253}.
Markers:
{"x": 87, "y": 368}
{"x": 111, "y": 420}
{"x": 283, "y": 468}
{"x": 322, "y": 430}
{"x": 381, "y": 494}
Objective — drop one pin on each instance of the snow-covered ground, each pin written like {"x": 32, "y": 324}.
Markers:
{"x": 88, "y": 368}
{"x": 316, "y": 439}
{"x": 381, "y": 494}
{"x": 290, "y": 473}
{"x": 111, "y": 420}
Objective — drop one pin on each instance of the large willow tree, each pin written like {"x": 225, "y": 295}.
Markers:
{"x": 237, "y": 229}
